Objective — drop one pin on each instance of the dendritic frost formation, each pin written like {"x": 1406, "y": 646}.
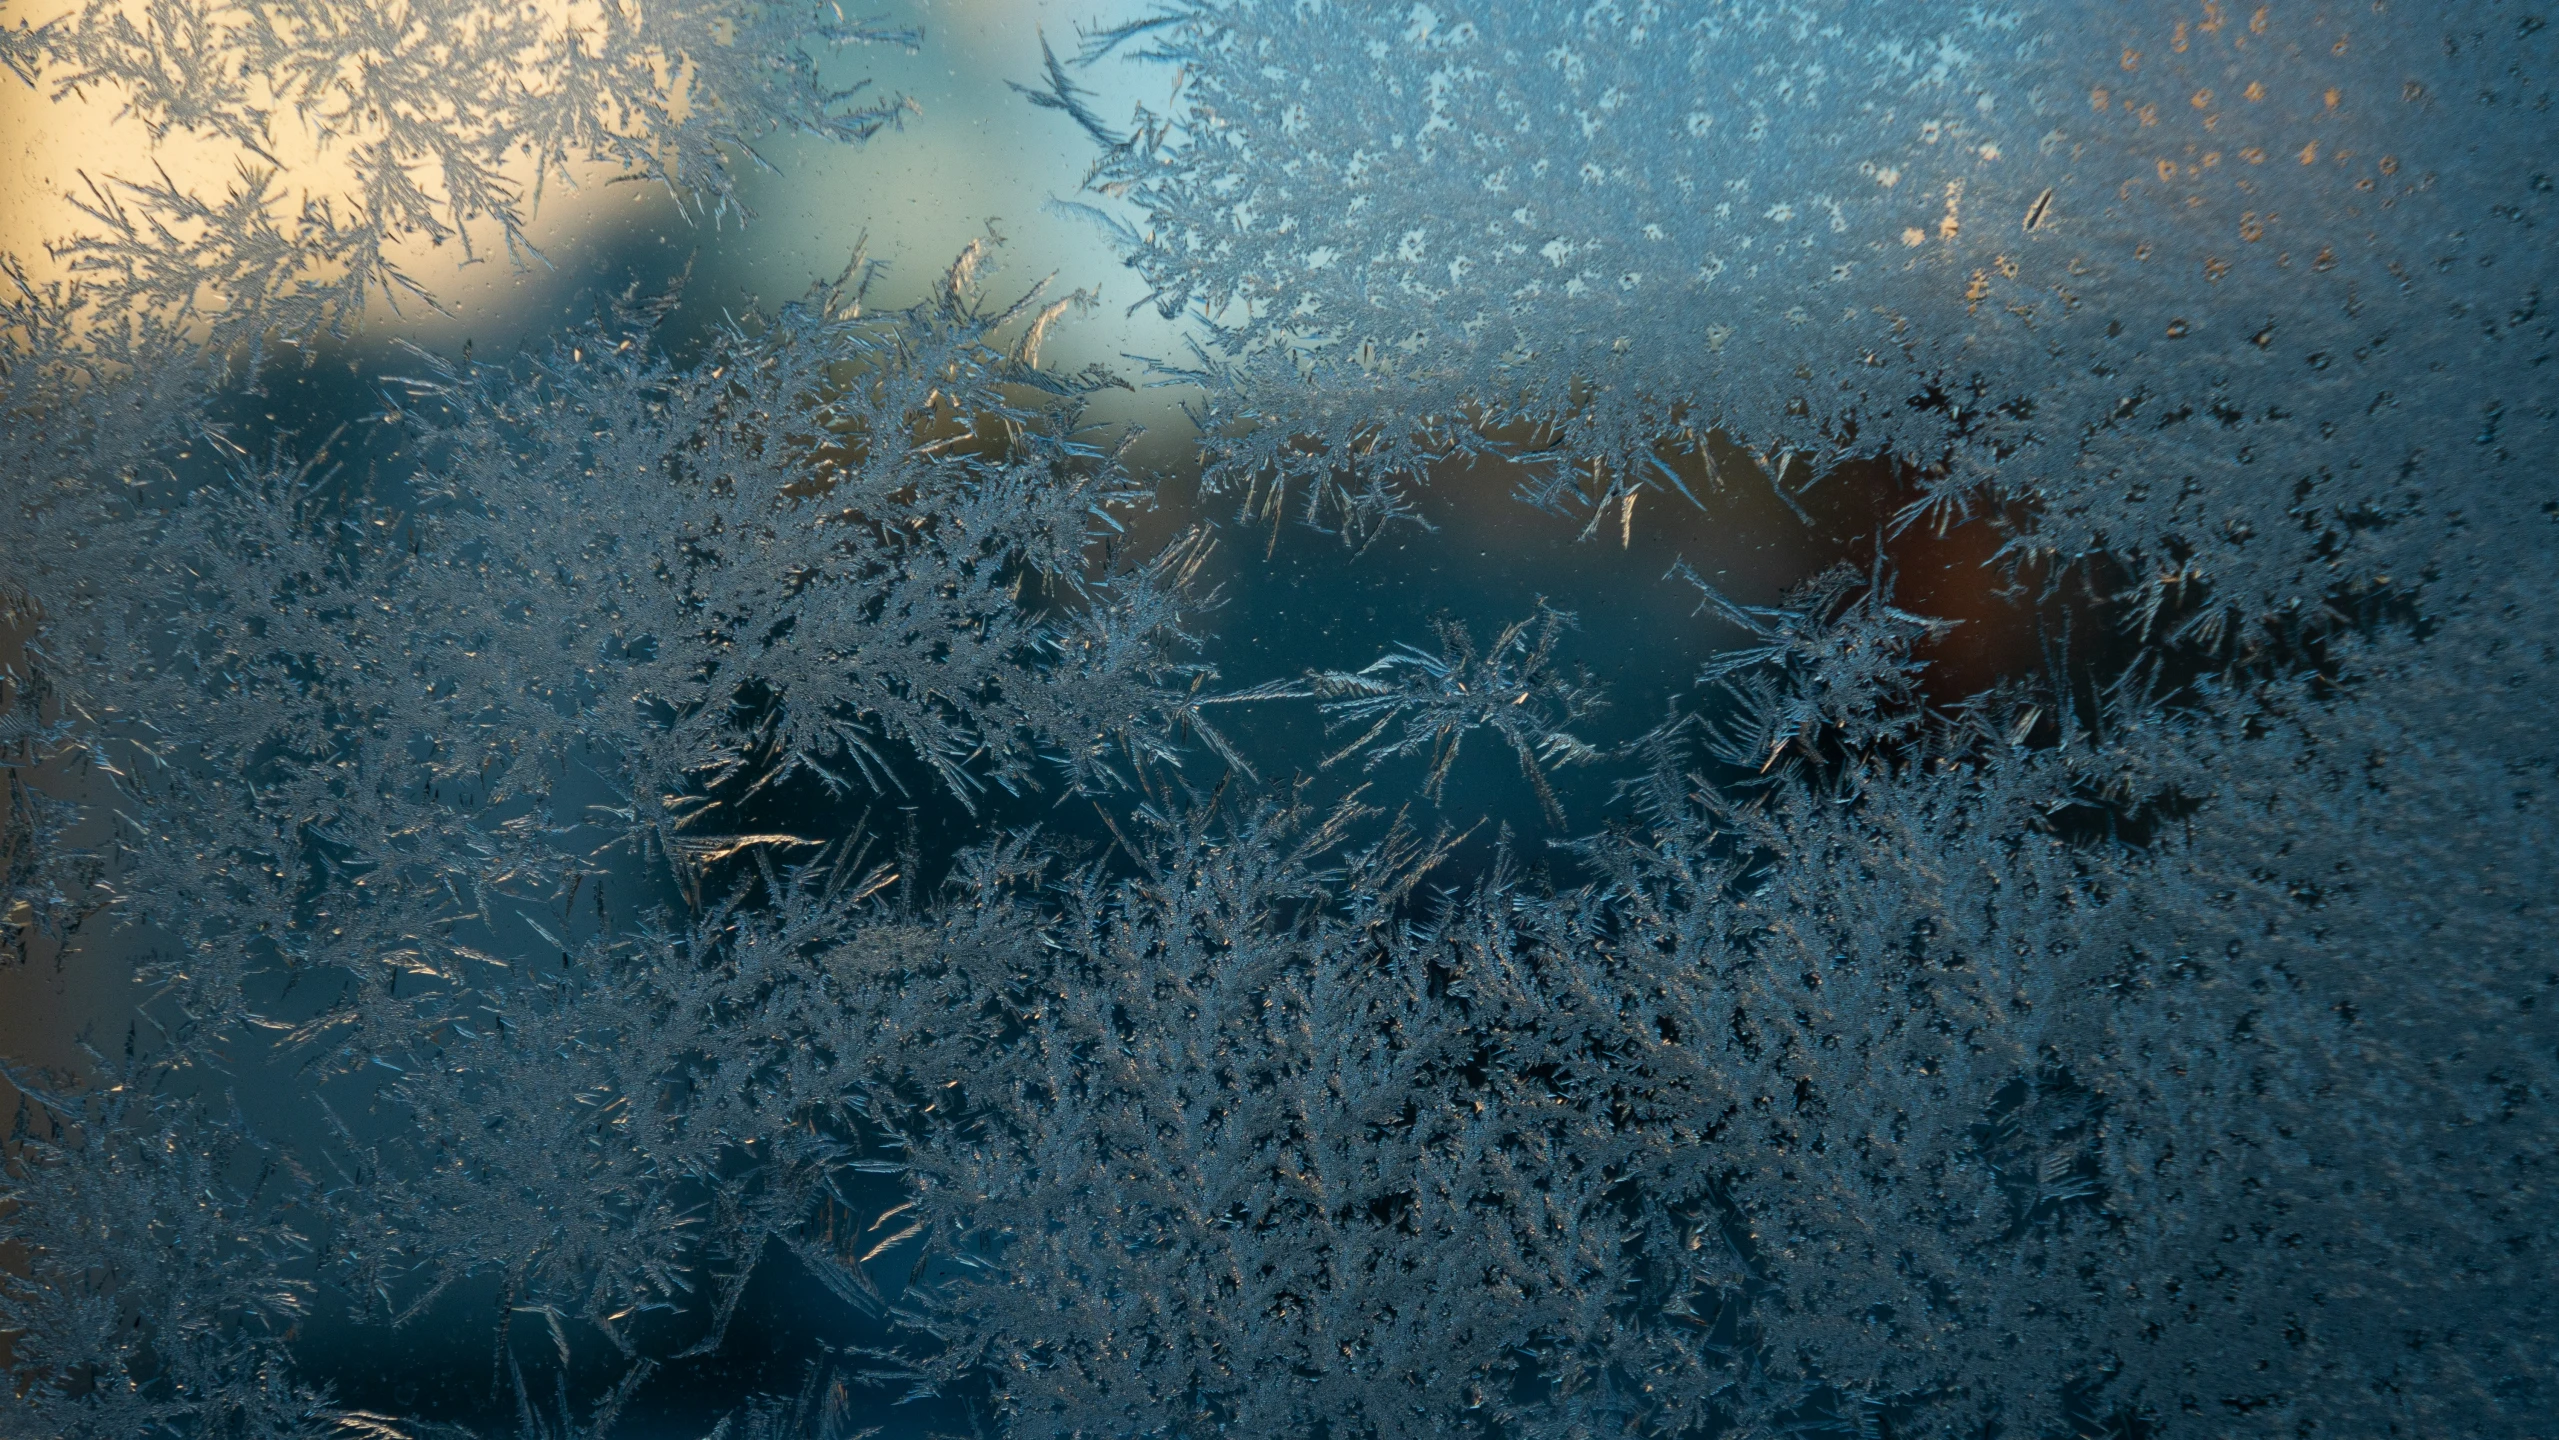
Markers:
{"x": 484, "y": 801}
{"x": 2200, "y": 283}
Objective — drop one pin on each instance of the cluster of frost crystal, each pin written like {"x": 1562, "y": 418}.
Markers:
{"x": 2159, "y": 1041}
{"x": 2244, "y": 294}
{"x": 424, "y": 115}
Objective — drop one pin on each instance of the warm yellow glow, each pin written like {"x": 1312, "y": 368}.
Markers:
{"x": 316, "y": 129}
{"x": 974, "y": 157}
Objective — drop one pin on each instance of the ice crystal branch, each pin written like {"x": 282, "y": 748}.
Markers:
{"x": 1516, "y": 688}
{"x": 1834, "y": 660}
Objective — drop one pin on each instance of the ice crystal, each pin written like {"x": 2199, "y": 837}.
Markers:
{"x": 1516, "y": 688}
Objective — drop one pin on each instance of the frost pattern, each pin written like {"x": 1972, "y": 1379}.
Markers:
{"x": 149, "y": 1295}
{"x": 2242, "y": 295}
{"x": 1834, "y": 664}
{"x": 421, "y": 105}
{"x": 2161, "y": 1051}
{"x": 408, "y": 118}
{"x": 1884, "y": 1103}
{"x": 623, "y": 599}
{"x": 1517, "y": 689}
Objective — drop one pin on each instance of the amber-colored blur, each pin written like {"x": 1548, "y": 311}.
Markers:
{"x": 970, "y": 156}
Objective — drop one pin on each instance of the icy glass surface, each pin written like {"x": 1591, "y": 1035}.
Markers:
{"x": 2210, "y": 287}
{"x": 1677, "y": 720}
